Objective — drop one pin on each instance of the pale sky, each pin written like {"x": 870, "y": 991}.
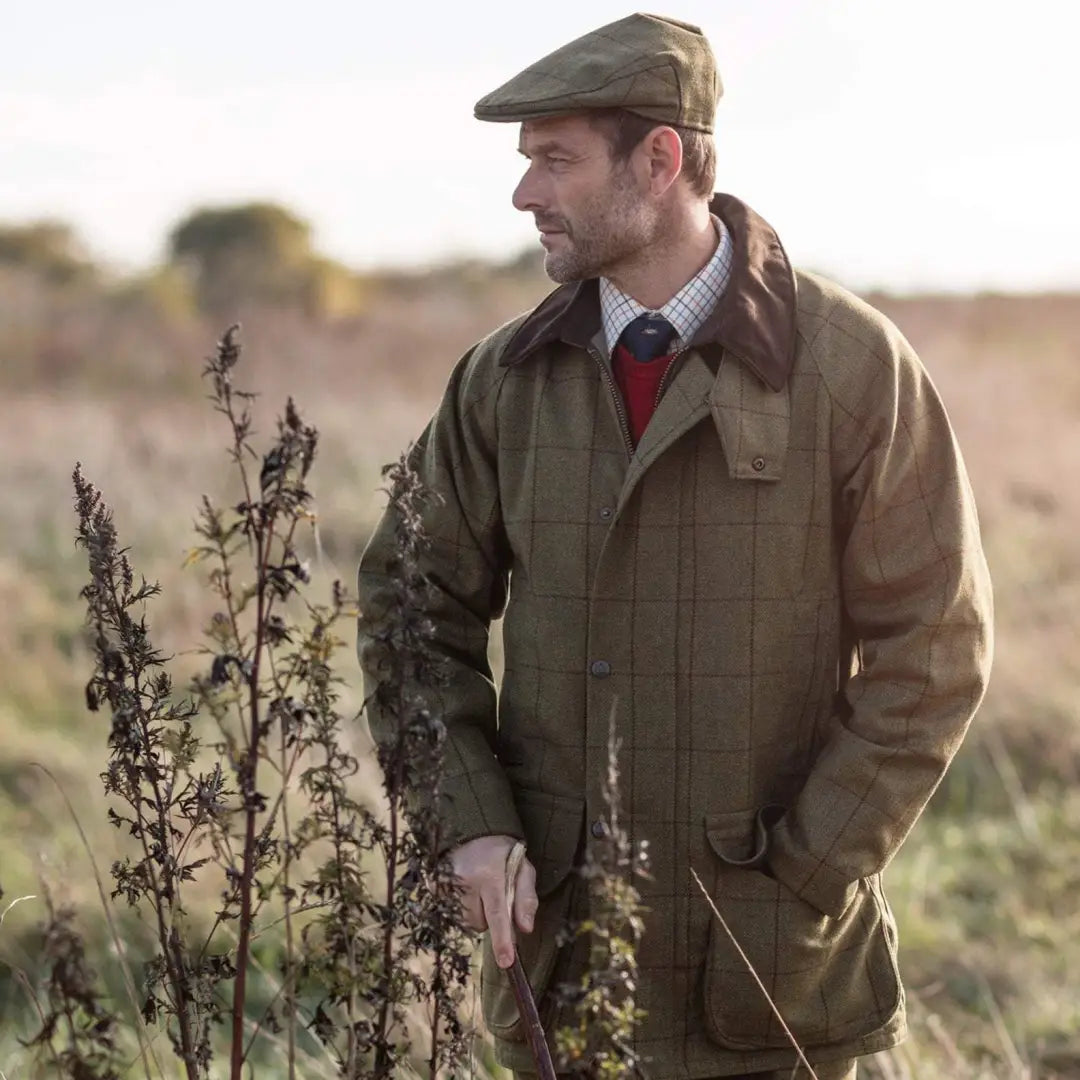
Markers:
{"x": 899, "y": 143}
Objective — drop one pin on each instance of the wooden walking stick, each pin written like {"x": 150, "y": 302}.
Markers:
{"x": 526, "y": 1003}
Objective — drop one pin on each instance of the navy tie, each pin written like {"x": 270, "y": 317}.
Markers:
{"x": 647, "y": 337}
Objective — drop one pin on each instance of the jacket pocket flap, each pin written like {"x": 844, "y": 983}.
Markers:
{"x": 741, "y": 838}
{"x": 752, "y": 420}
{"x": 552, "y": 826}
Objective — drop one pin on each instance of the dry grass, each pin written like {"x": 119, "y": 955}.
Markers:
{"x": 1009, "y": 369}
{"x": 983, "y": 890}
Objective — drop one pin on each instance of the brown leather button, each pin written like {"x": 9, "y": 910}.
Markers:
{"x": 758, "y": 463}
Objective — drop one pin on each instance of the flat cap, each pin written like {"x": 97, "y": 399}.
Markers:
{"x": 659, "y": 68}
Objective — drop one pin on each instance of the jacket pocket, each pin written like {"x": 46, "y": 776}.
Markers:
{"x": 832, "y": 979}
{"x": 552, "y": 826}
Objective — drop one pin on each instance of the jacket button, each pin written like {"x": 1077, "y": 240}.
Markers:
{"x": 601, "y": 669}
{"x": 758, "y": 463}
{"x": 605, "y": 513}
{"x": 598, "y": 829}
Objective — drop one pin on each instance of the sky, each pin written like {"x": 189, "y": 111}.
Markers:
{"x": 903, "y": 144}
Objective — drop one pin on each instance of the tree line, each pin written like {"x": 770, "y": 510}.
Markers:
{"x": 220, "y": 260}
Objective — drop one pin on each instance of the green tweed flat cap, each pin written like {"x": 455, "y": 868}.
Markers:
{"x": 660, "y": 68}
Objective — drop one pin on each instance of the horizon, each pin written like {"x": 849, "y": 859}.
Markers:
{"x": 909, "y": 148}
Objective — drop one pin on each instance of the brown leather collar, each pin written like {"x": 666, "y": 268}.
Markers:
{"x": 754, "y": 319}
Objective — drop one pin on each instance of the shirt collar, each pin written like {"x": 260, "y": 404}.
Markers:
{"x": 687, "y": 310}
{"x": 754, "y": 322}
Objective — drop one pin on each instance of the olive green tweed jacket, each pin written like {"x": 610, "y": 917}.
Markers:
{"x": 781, "y": 594}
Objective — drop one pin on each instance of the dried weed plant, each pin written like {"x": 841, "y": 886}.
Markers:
{"x": 598, "y": 1042}
{"x": 241, "y": 787}
{"x": 74, "y": 1013}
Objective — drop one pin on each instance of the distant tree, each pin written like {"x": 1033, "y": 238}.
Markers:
{"x": 50, "y": 249}
{"x": 164, "y": 292}
{"x": 258, "y": 253}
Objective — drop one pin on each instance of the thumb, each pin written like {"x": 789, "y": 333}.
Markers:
{"x": 525, "y": 900}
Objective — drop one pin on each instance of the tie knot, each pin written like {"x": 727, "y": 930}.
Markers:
{"x": 647, "y": 337}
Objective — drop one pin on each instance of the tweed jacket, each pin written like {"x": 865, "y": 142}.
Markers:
{"x": 781, "y": 596}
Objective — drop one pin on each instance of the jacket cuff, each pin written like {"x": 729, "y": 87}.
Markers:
{"x": 478, "y": 804}
{"x": 808, "y": 877}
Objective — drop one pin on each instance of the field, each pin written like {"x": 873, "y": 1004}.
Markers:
{"x": 985, "y": 890}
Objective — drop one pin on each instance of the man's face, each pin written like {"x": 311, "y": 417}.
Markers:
{"x": 592, "y": 213}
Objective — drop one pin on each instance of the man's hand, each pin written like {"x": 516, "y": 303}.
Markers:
{"x": 481, "y": 866}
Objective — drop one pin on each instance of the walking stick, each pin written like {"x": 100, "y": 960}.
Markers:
{"x": 526, "y": 1003}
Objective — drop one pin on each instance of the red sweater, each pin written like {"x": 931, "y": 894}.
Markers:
{"x": 639, "y": 384}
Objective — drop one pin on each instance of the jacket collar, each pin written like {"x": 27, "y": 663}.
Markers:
{"x": 754, "y": 318}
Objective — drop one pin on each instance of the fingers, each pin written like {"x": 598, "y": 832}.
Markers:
{"x": 472, "y": 910}
{"x": 525, "y": 901}
{"x": 472, "y": 907}
{"x": 480, "y": 866}
{"x": 498, "y": 921}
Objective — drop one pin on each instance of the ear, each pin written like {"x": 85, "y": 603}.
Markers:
{"x": 662, "y": 149}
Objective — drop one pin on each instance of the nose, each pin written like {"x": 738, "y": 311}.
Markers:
{"x": 527, "y": 193}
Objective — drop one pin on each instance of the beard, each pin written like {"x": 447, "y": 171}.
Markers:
{"x": 611, "y": 228}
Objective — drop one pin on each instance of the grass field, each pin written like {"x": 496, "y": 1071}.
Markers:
{"x": 985, "y": 890}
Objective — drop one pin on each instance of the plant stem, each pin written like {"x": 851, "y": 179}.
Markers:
{"x": 174, "y": 961}
{"x": 382, "y": 1062}
{"x": 248, "y": 790}
{"x": 290, "y": 993}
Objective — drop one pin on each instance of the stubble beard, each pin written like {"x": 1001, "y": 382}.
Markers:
{"x": 613, "y": 228}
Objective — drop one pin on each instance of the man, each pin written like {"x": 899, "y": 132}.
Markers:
{"x": 722, "y": 498}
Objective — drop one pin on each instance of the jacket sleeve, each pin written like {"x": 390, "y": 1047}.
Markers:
{"x": 917, "y": 608}
{"x": 467, "y": 566}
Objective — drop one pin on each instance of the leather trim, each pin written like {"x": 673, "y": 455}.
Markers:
{"x": 753, "y": 321}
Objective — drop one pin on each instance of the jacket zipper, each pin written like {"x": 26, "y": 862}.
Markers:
{"x": 663, "y": 378}
{"x": 624, "y": 424}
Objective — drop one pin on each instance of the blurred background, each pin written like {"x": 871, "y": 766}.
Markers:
{"x": 315, "y": 172}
